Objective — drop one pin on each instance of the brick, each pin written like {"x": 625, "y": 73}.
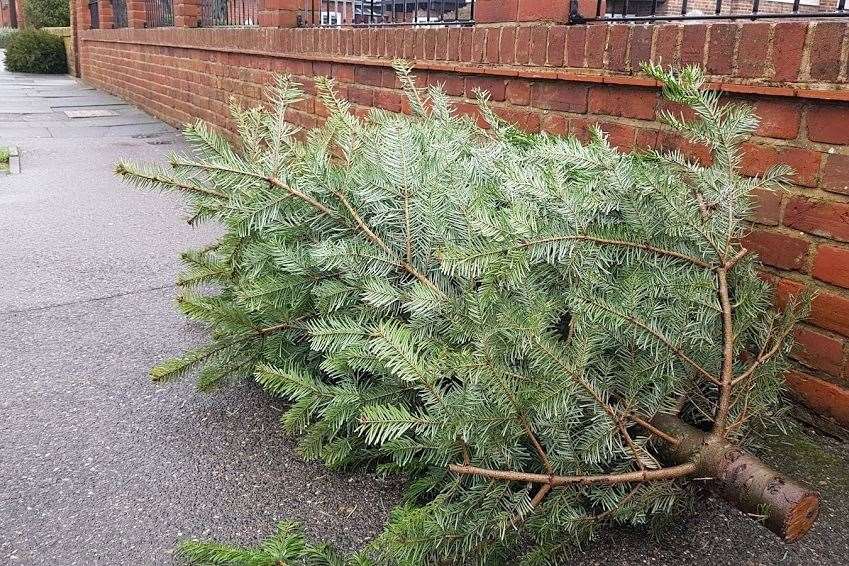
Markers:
{"x": 835, "y": 176}
{"x": 617, "y": 47}
{"x": 452, "y": 84}
{"x": 490, "y": 11}
{"x": 759, "y": 158}
{"x": 819, "y": 217}
{"x": 565, "y": 97}
{"x": 518, "y": 92}
{"x": 539, "y": 45}
{"x": 788, "y": 46}
{"x": 454, "y": 39}
{"x": 778, "y": 119}
{"x": 783, "y": 251}
{"x": 754, "y": 41}
{"x": 645, "y": 139}
{"x": 720, "y": 60}
{"x": 821, "y": 396}
{"x": 829, "y": 123}
{"x": 369, "y": 75}
{"x": 493, "y": 43}
{"x": 556, "y": 124}
{"x": 523, "y": 45}
{"x": 625, "y": 102}
{"x": 640, "y": 48}
{"x": 825, "y": 50}
{"x": 524, "y": 119}
{"x": 507, "y": 45}
{"x": 494, "y": 86}
{"x": 831, "y": 264}
{"x": 619, "y": 135}
{"x": 666, "y": 42}
{"x": 466, "y": 44}
{"x": 766, "y": 207}
{"x": 543, "y": 11}
{"x": 391, "y": 100}
{"x": 693, "y": 44}
{"x": 595, "y": 46}
{"x": 556, "y": 46}
{"x": 818, "y": 351}
{"x": 670, "y": 141}
{"x": 576, "y": 43}
{"x": 478, "y": 44}
{"x": 831, "y": 312}
{"x": 361, "y": 95}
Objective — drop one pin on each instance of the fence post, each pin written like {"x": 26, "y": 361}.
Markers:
{"x": 186, "y": 13}
{"x": 136, "y": 14}
{"x": 279, "y": 13}
{"x": 494, "y": 11}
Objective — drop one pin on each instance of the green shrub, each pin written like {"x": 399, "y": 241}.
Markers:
{"x": 5, "y": 35}
{"x": 36, "y": 51}
{"x": 47, "y": 13}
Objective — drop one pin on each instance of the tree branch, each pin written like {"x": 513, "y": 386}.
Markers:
{"x": 604, "y": 241}
{"x": 672, "y": 472}
{"x": 724, "y": 402}
{"x": 666, "y": 341}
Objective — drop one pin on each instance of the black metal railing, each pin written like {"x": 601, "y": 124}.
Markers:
{"x": 228, "y": 13}
{"x": 366, "y": 13}
{"x": 94, "y": 14}
{"x": 119, "y": 13}
{"x": 159, "y": 13}
{"x": 660, "y": 10}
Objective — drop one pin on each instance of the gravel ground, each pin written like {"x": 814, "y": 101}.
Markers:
{"x": 99, "y": 466}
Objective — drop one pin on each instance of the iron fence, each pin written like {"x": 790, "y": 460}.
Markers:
{"x": 368, "y": 13}
{"x": 159, "y": 13}
{"x": 94, "y": 14}
{"x": 119, "y": 13}
{"x": 660, "y": 10}
{"x": 228, "y": 13}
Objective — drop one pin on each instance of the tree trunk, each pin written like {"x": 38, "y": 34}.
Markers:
{"x": 787, "y": 508}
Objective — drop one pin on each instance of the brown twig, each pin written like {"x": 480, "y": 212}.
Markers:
{"x": 586, "y": 238}
{"x": 672, "y": 472}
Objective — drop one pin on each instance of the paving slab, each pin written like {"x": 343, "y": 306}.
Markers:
{"x": 89, "y": 113}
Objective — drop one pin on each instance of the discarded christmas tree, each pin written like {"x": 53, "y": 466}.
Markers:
{"x": 548, "y": 337}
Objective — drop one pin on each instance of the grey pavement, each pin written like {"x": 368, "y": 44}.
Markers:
{"x": 97, "y": 464}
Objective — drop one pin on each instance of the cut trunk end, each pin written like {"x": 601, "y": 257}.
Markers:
{"x": 786, "y": 508}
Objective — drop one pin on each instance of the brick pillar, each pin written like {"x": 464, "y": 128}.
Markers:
{"x": 104, "y": 7}
{"x": 136, "y": 15}
{"x": 492, "y": 11}
{"x": 83, "y": 16}
{"x": 279, "y": 13}
{"x": 186, "y": 13}
{"x": 588, "y": 8}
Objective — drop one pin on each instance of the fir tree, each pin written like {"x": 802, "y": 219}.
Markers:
{"x": 548, "y": 337}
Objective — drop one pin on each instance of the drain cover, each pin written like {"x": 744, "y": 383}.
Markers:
{"x": 89, "y": 113}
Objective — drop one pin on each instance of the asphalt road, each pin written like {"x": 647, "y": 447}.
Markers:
{"x": 100, "y": 467}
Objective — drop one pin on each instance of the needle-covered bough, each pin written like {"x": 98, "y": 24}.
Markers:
{"x": 547, "y": 337}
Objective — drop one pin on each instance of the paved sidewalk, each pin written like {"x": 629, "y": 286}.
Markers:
{"x": 98, "y": 465}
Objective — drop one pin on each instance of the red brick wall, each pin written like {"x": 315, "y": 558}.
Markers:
{"x": 561, "y": 79}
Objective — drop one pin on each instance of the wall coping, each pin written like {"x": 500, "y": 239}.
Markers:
{"x": 202, "y": 39}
